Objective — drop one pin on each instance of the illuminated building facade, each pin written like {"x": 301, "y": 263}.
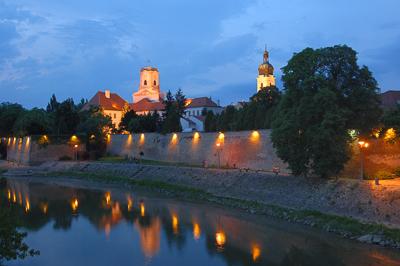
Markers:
{"x": 111, "y": 104}
{"x": 265, "y": 77}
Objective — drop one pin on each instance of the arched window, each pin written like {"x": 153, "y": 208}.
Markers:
{"x": 262, "y": 85}
{"x": 155, "y": 83}
{"x": 145, "y": 82}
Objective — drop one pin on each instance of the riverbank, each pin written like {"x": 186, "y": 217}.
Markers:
{"x": 351, "y": 208}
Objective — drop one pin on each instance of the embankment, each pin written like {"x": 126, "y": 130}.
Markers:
{"x": 360, "y": 199}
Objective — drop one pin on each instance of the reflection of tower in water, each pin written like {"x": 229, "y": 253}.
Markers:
{"x": 150, "y": 237}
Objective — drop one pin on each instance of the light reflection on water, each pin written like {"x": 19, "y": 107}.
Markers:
{"x": 77, "y": 226}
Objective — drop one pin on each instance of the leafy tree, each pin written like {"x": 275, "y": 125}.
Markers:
{"x": 391, "y": 118}
{"x": 66, "y": 117}
{"x": 126, "y": 119}
{"x": 9, "y": 114}
{"x": 210, "y": 122}
{"x": 94, "y": 122}
{"x": 53, "y": 104}
{"x": 256, "y": 114}
{"x": 82, "y": 103}
{"x": 32, "y": 122}
{"x": 326, "y": 94}
{"x": 180, "y": 101}
{"x": 94, "y": 125}
{"x": 174, "y": 109}
{"x": 145, "y": 123}
{"x": 12, "y": 245}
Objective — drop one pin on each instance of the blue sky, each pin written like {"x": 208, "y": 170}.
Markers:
{"x": 207, "y": 48}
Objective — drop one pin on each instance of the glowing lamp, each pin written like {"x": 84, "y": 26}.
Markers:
{"x": 220, "y": 238}
{"x": 74, "y": 204}
{"x": 363, "y": 144}
{"x": 221, "y": 136}
{"x": 255, "y": 252}
{"x": 108, "y": 198}
{"x": 196, "y": 231}
{"x": 142, "y": 209}
{"x": 175, "y": 224}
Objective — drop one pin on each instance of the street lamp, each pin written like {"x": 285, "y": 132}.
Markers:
{"x": 363, "y": 145}
{"x": 219, "y": 153}
{"x": 76, "y": 152}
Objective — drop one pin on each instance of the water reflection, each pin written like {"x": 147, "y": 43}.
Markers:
{"x": 165, "y": 231}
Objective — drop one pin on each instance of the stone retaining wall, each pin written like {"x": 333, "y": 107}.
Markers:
{"x": 243, "y": 149}
{"x": 26, "y": 151}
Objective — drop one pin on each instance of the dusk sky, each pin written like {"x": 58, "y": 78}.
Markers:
{"x": 207, "y": 48}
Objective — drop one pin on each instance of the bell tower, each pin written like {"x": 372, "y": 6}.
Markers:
{"x": 149, "y": 86}
{"x": 265, "y": 73}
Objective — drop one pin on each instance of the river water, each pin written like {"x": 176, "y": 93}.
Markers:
{"x": 80, "y": 223}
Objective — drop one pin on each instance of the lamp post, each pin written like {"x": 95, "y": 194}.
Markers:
{"x": 363, "y": 145}
{"x": 219, "y": 154}
{"x": 76, "y": 152}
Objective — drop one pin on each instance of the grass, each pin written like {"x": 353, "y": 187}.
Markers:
{"x": 344, "y": 226}
{"x": 120, "y": 159}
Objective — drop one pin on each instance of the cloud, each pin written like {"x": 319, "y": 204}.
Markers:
{"x": 204, "y": 47}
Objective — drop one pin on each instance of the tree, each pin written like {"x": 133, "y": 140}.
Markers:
{"x": 391, "y": 118}
{"x": 66, "y": 118}
{"x": 9, "y": 114}
{"x": 210, "y": 122}
{"x": 53, "y": 104}
{"x": 33, "y": 122}
{"x": 174, "y": 109}
{"x": 12, "y": 242}
{"x": 180, "y": 101}
{"x": 326, "y": 94}
{"x": 126, "y": 119}
{"x": 94, "y": 125}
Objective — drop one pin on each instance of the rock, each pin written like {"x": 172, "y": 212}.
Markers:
{"x": 366, "y": 238}
{"x": 377, "y": 239}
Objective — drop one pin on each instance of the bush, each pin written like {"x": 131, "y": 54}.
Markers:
{"x": 381, "y": 175}
{"x": 65, "y": 158}
{"x": 397, "y": 171}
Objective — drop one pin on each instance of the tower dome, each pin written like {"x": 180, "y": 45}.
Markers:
{"x": 265, "y": 68}
{"x": 265, "y": 77}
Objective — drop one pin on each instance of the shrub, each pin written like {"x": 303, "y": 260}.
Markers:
{"x": 65, "y": 158}
{"x": 397, "y": 171}
{"x": 381, "y": 175}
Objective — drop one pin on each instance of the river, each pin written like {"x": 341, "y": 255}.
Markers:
{"x": 83, "y": 223}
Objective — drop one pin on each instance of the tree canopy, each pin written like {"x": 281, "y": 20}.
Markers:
{"x": 256, "y": 114}
{"x": 326, "y": 94}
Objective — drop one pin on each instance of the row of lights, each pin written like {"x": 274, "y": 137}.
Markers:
{"x": 220, "y": 236}
{"x": 255, "y": 135}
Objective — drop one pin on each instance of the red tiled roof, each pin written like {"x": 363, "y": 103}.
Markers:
{"x": 115, "y": 102}
{"x": 390, "y": 99}
{"x": 146, "y": 105}
{"x": 200, "y": 102}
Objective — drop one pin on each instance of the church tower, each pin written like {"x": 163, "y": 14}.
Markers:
{"x": 149, "y": 86}
{"x": 265, "y": 73}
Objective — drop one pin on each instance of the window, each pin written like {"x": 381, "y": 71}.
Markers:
{"x": 155, "y": 83}
{"x": 262, "y": 85}
{"x": 115, "y": 116}
{"x": 145, "y": 82}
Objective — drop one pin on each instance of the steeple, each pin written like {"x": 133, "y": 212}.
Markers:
{"x": 265, "y": 72}
{"x": 266, "y": 55}
{"x": 266, "y": 68}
